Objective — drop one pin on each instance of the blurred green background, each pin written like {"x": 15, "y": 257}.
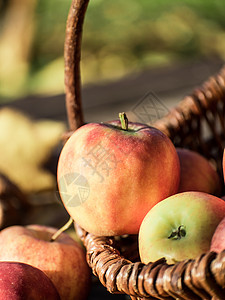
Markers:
{"x": 120, "y": 37}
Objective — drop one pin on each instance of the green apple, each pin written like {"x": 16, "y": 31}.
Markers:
{"x": 180, "y": 227}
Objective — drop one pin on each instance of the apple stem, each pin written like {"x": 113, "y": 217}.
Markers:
{"x": 123, "y": 120}
{"x": 62, "y": 229}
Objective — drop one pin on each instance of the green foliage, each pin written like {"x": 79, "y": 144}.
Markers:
{"x": 50, "y": 17}
{"x": 124, "y": 35}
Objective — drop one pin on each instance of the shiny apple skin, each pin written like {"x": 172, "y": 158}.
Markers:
{"x": 198, "y": 212}
{"x": 144, "y": 170}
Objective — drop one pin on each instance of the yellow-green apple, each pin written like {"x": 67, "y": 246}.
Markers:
{"x": 218, "y": 239}
{"x": 19, "y": 281}
{"x": 180, "y": 227}
{"x": 197, "y": 173}
{"x": 62, "y": 260}
{"x": 110, "y": 175}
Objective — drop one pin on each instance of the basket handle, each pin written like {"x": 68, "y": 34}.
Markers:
{"x": 72, "y": 55}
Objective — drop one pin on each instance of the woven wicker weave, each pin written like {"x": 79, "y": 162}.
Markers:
{"x": 197, "y": 123}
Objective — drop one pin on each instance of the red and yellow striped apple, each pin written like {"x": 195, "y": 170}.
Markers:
{"x": 180, "y": 227}
{"x": 125, "y": 171}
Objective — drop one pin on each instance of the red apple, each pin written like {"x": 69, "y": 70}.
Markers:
{"x": 19, "y": 281}
{"x": 197, "y": 173}
{"x": 218, "y": 239}
{"x": 180, "y": 227}
{"x": 62, "y": 260}
{"x": 109, "y": 177}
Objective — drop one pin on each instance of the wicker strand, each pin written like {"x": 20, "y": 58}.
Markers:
{"x": 199, "y": 114}
{"x": 202, "y": 99}
{"x": 202, "y": 278}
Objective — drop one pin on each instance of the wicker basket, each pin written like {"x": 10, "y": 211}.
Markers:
{"x": 197, "y": 123}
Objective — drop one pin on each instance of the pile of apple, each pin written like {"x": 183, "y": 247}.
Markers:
{"x": 139, "y": 183}
{"x": 116, "y": 178}
{"x": 35, "y": 267}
